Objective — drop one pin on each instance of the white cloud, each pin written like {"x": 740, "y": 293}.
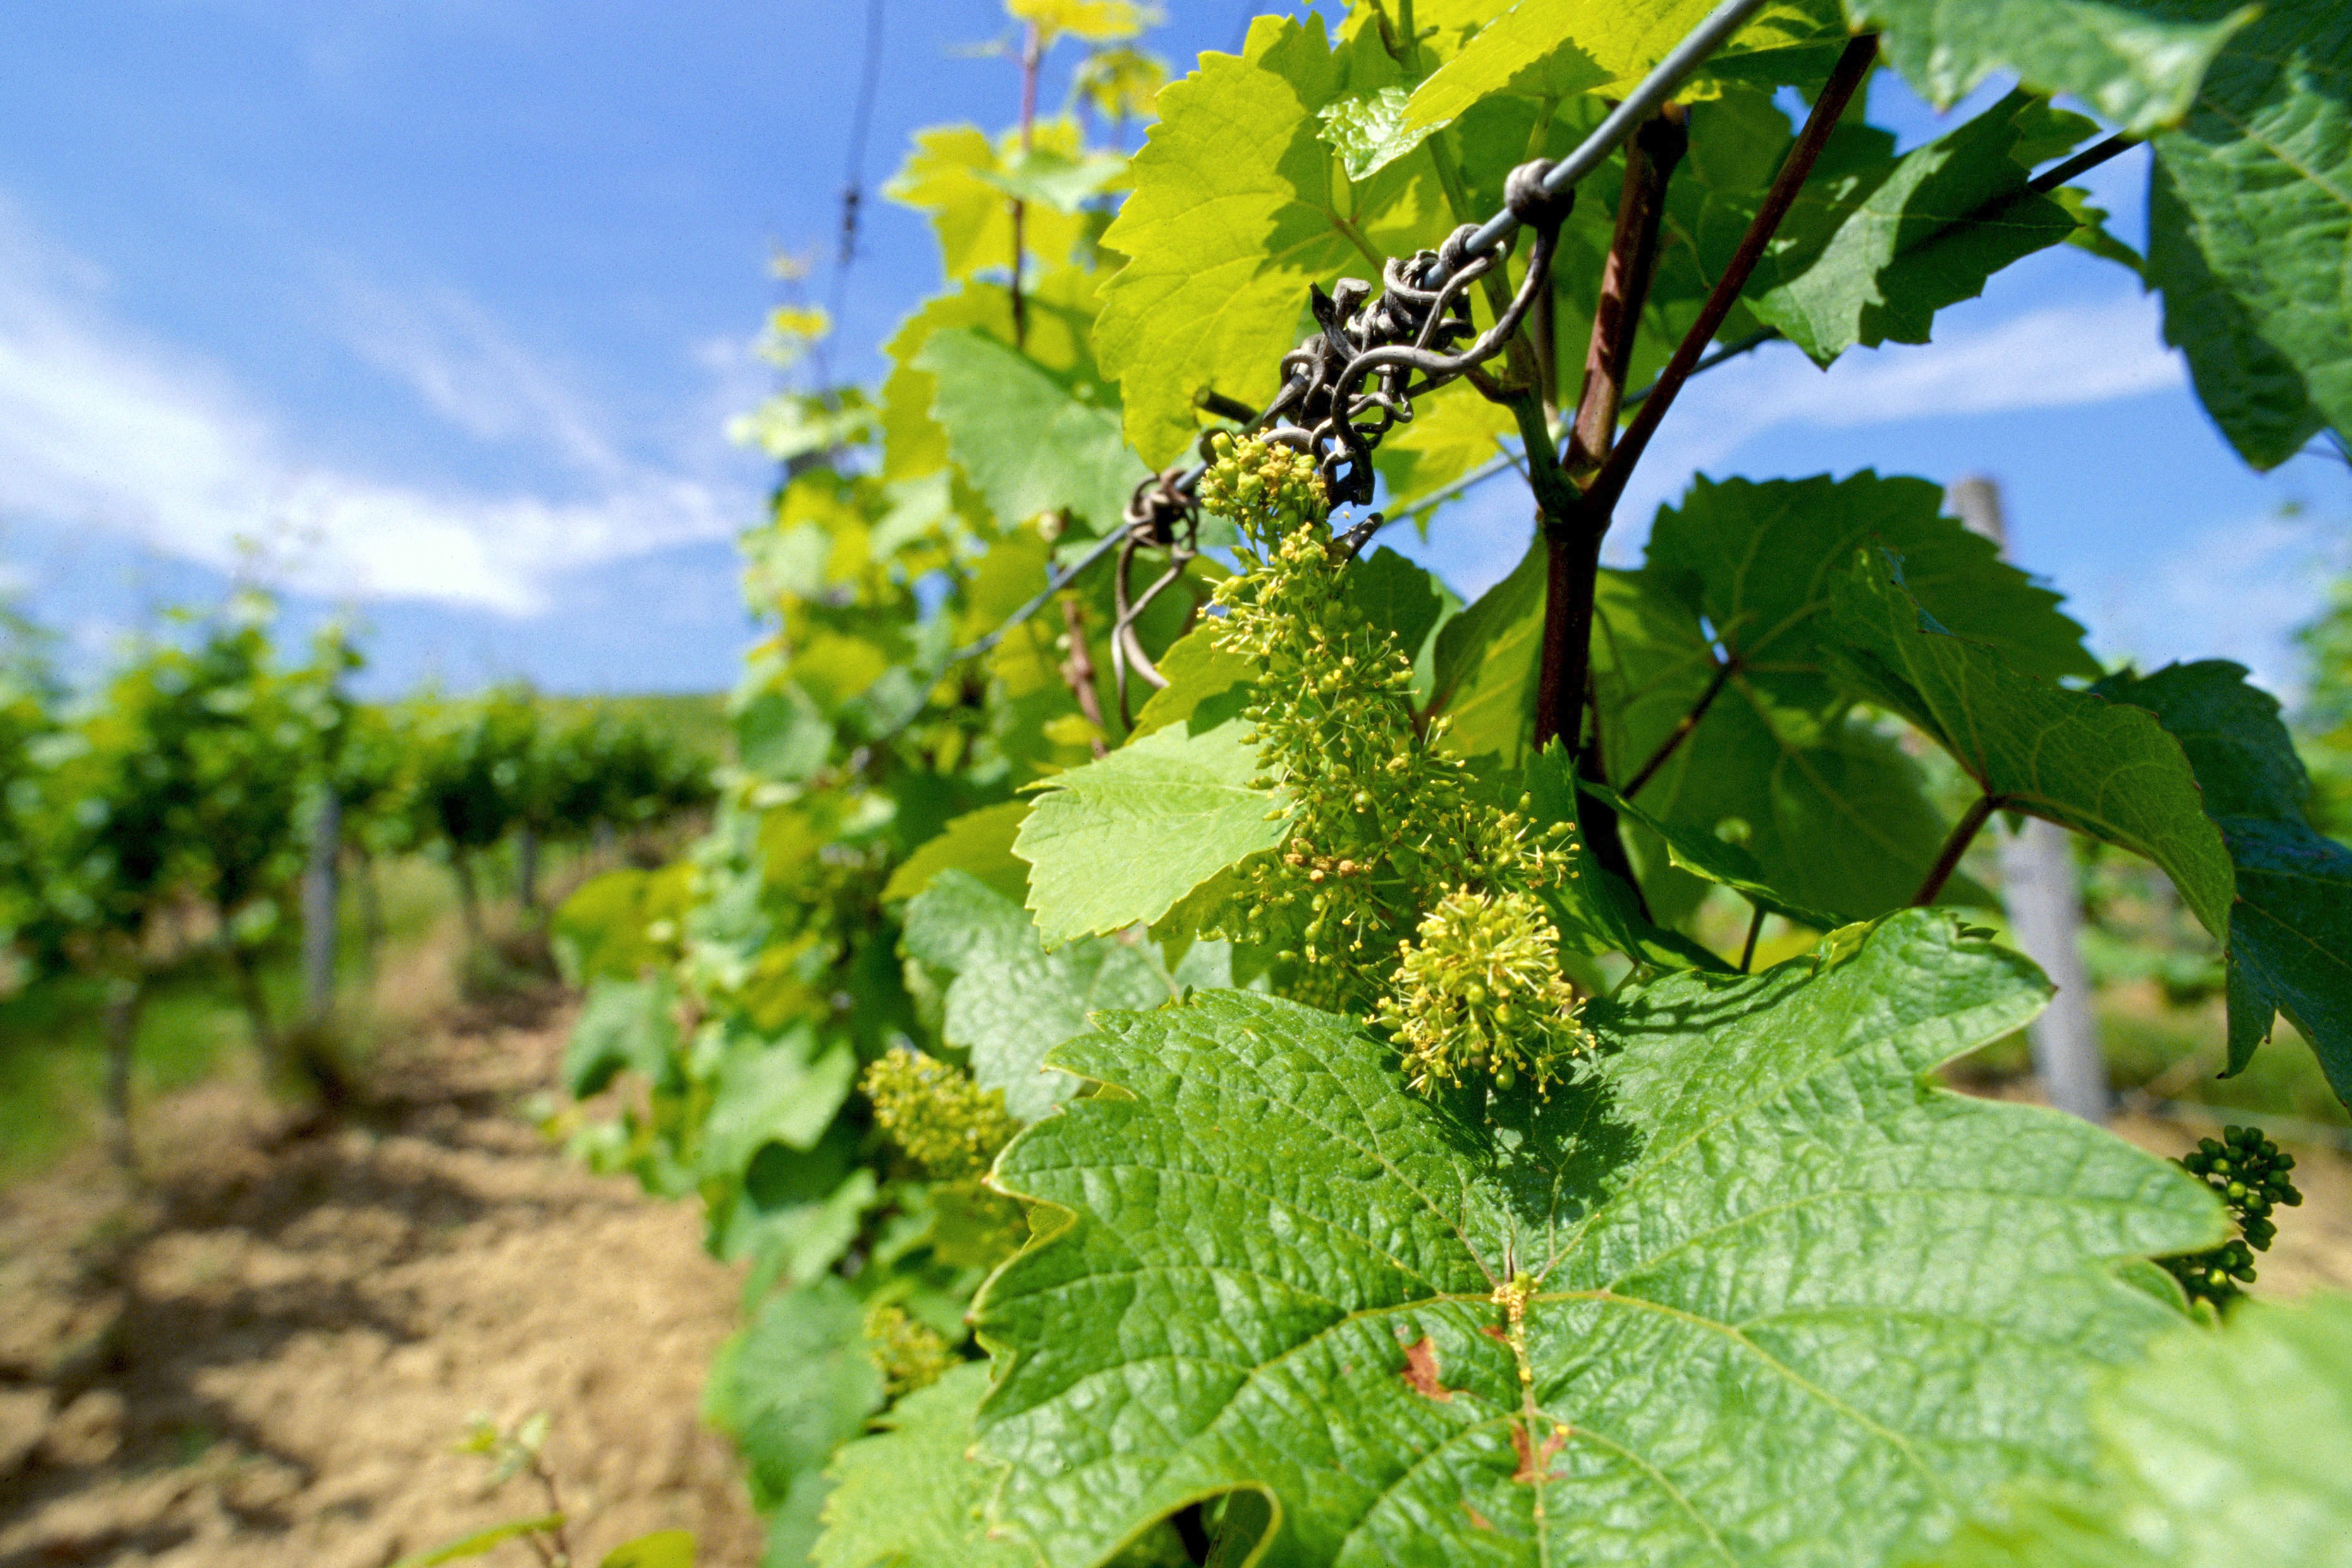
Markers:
{"x": 103, "y": 427}
{"x": 2054, "y": 357}
{"x": 2236, "y": 591}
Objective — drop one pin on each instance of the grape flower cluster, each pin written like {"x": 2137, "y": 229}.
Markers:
{"x": 909, "y": 1353}
{"x": 2248, "y": 1172}
{"x": 937, "y": 1115}
{"x": 1400, "y": 893}
{"x": 1481, "y": 990}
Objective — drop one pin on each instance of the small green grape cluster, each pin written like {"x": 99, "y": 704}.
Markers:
{"x": 2249, "y": 1172}
{"x": 1481, "y": 990}
{"x": 1385, "y": 825}
{"x": 945, "y": 1122}
{"x": 909, "y": 1353}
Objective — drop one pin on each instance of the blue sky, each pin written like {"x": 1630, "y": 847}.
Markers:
{"x": 437, "y": 310}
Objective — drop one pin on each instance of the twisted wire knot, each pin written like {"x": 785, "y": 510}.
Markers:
{"x": 1526, "y": 199}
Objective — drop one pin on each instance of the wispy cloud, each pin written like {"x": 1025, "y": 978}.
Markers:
{"x": 2236, "y": 590}
{"x": 103, "y": 426}
{"x": 2054, "y": 357}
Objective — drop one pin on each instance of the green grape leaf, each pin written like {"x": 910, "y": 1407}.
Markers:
{"x": 1054, "y": 177}
{"x": 906, "y": 1497}
{"x": 980, "y": 844}
{"x": 1596, "y": 911}
{"x": 600, "y": 931}
{"x": 1011, "y": 1001}
{"x": 2250, "y": 218}
{"x": 2135, "y": 64}
{"x": 1235, "y": 211}
{"x": 1539, "y": 49}
{"x": 1716, "y": 861}
{"x": 1786, "y": 1302}
{"x": 662, "y": 1549}
{"x": 482, "y": 1542}
{"x": 2079, "y": 761}
{"x": 1123, "y": 839}
{"x": 1395, "y": 595}
{"x": 1030, "y": 441}
{"x": 1206, "y": 685}
{"x": 1485, "y": 665}
{"x": 2225, "y": 1445}
{"x": 789, "y": 1387}
{"x": 1877, "y": 244}
{"x": 1761, "y": 562}
{"x": 955, "y": 174}
{"x": 774, "y": 1091}
{"x": 2290, "y": 936}
{"x": 623, "y": 1024}
{"x": 1836, "y": 816}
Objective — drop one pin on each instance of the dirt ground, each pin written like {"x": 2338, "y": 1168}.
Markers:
{"x": 264, "y": 1358}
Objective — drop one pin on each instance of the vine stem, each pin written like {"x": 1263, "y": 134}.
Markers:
{"x": 1032, "y": 54}
{"x": 1689, "y": 721}
{"x": 1078, "y": 674}
{"x": 1748, "y": 948}
{"x": 1853, "y": 70}
{"x": 1571, "y": 545}
{"x": 1964, "y": 833}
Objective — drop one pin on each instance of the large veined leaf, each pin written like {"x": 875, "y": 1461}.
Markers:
{"x": 624, "y": 1024}
{"x": 2136, "y": 63}
{"x": 957, "y": 174}
{"x": 1834, "y": 812}
{"x": 2290, "y": 934}
{"x": 1119, "y": 841}
{"x": 1558, "y": 48}
{"x": 2250, "y": 220}
{"x": 907, "y": 1498}
{"x": 1232, "y": 217}
{"x": 2095, "y": 766}
{"x": 791, "y": 1386}
{"x": 1011, "y": 1001}
{"x": 978, "y": 842}
{"x": 2223, "y": 1446}
{"x": 1878, "y": 243}
{"x": 1029, "y": 440}
{"x": 1485, "y": 665}
{"x": 1761, "y": 562}
{"x": 1713, "y": 859}
{"x": 774, "y": 1091}
{"x": 1751, "y": 1291}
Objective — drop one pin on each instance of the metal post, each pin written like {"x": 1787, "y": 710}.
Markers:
{"x": 2045, "y": 905}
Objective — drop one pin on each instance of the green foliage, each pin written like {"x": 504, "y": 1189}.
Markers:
{"x": 2221, "y": 1447}
{"x": 1122, "y": 840}
{"x": 2293, "y": 908}
{"x": 2135, "y": 64}
{"x": 1006, "y": 1001}
{"x": 1377, "y": 1158}
{"x": 1573, "y": 1328}
{"x": 2249, "y": 214}
{"x": 905, "y": 1497}
{"x": 2100, "y": 768}
{"x": 1884, "y": 242}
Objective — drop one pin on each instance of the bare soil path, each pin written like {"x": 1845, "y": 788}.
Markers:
{"x": 263, "y": 1357}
